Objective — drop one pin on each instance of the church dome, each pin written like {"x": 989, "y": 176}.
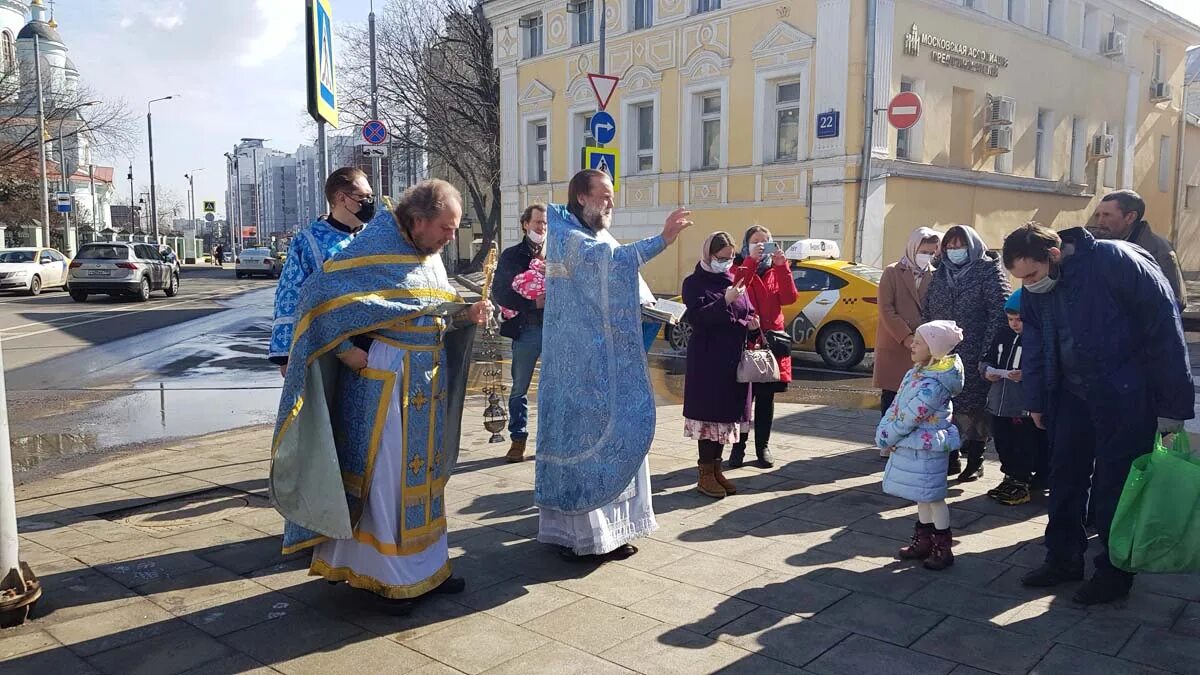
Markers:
{"x": 41, "y": 29}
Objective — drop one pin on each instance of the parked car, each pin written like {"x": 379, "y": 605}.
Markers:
{"x": 168, "y": 254}
{"x": 119, "y": 268}
{"x": 32, "y": 269}
{"x": 837, "y": 312}
{"x": 254, "y": 261}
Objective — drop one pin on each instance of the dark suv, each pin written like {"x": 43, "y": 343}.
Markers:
{"x": 120, "y": 268}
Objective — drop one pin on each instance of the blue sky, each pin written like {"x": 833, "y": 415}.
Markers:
{"x": 239, "y": 65}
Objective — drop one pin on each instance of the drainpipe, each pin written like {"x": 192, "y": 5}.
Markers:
{"x": 1180, "y": 186}
{"x": 864, "y": 180}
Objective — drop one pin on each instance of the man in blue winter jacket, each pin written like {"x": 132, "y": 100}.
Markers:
{"x": 1105, "y": 370}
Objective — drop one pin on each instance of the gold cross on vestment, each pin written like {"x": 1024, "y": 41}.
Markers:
{"x": 415, "y": 465}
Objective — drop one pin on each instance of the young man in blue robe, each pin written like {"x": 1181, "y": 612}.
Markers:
{"x": 352, "y": 206}
{"x": 597, "y": 413}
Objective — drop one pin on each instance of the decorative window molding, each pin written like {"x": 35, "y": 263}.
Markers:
{"x": 535, "y": 94}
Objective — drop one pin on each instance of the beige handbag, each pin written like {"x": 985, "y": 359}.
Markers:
{"x": 758, "y": 365}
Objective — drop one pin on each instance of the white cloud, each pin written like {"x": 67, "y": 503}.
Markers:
{"x": 282, "y": 23}
{"x": 126, "y": 22}
{"x": 168, "y": 22}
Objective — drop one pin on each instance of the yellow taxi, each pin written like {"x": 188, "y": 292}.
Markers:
{"x": 836, "y": 313}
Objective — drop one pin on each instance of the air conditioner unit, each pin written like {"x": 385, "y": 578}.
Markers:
{"x": 1160, "y": 91}
{"x": 1114, "y": 44}
{"x": 1001, "y": 110}
{"x": 1000, "y": 140}
{"x": 1103, "y": 145}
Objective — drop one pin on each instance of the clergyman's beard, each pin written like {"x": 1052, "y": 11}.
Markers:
{"x": 594, "y": 218}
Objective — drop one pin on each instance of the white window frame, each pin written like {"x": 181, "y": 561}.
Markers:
{"x": 1017, "y": 11}
{"x": 1165, "y": 155}
{"x": 530, "y": 143}
{"x": 1111, "y": 163}
{"x": 577, "y": 24}
{"x": 630, "y": 141}
{"x": 1079, "y": 144}
{"x": 1056, "y": 19}
{"x": 1043, "y": 130}
{"x": 633, "y": 14}
{"x": 1089, "y": 39}
{"x": 527, "y": 36}
{"x": 766, "y": 82}
{"x": 1189, "y": 196}
{"x": 691, "y": 147}
{"x": 1156, "y": 73}
{"x": 906, "y": 134}
{"x": 578, "y": 133}
{"x": 704, "y": 6}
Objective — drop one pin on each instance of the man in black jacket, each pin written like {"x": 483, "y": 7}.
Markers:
{"x": 524, "y": 329}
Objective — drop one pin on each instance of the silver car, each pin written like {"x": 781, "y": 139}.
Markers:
{"x": 254, "y": 261}
{"x": 119, "y": 268}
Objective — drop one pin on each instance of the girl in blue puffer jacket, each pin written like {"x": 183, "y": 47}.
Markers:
{"x": 919, "y": 431}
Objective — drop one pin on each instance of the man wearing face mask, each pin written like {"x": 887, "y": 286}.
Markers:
{"x": 524, "y": 329}
{"x": 352, "y": 206}
{"x": 1105, "y": 369}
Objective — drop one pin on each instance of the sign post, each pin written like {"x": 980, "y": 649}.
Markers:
{"x": 905, "y": 110}
{"x": 322, "y": 80}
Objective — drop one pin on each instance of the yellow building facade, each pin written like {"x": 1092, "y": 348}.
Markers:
{"x": 761, "y": 112}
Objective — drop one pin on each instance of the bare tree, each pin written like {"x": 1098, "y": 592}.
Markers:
{"x": 436, "y": 78}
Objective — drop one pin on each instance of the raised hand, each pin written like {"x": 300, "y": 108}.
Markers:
{"x": 676, "y": 222}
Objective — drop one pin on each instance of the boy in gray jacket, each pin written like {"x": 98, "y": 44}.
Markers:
{"x": 1023, "y": 448}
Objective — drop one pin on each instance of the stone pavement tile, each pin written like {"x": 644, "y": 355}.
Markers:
{"x": 167, "y": 486}
{"x": 265, "y": 520}
{"x": 860, "y": 654}
{"x": 427, "y": 616}
{"x": 436, "y": 668}
{"x": 51, "y": 486}
{"x": 167, "y": 654}
{"x": 793, "y": 560}
{"x": 1009, "y": 583}
{"x": 780, "y": 497}
{"x": 713, "y": 540}
{"x": 477, "y": 643}
{"x": 968, "y": 670}
{"x": 106, "y": 530}
{"x": 780, "y": 636}
{"x": 971, "y": 570}
{"x": 363, "y": 656}
{"x": 1149, "y": 609}
{"x": 129, "y": 551}
{"x": 983, "y": 646}
{"x": 847, "y": 507}
{"x": 1100, "y": 633}
{"x": 591, "y": 625}
{"x": 1189, "y": 621}
{"x": 101, "y": 499}
{"x": 1186, "y": 586}
{"x": 62, "y": 539}
{"x": 653, "y": 554}
{"x": 219, "y": 532}
{"x": 1033, "y": 617}
{"x": 520, "y": 599}
{"x": 801, "y": 534}
{"x": 135, "y": 573}
{"x": 683, "y": 501}
{"x": 788, "y": 593}
{"x": 243, "y": 557}
{"x": 879, "y": 618}
{"x": 668, "y": 650}
{"x": 81, "y": 594}
{"x": 291, "y": 636}
{"x": 710, "y": 572}
{"x": 695, "y": 609}
{"x": 728, "y": 516}
{"x": 123, "y": 625}
{"x": 982, "y": 544}
{"x": 850, "y": 544}
{"x": 1031, "y": 555}
{"x": 1163, "y": 649}
{"x": 1064, "y": 660}
{"x": 618, "y": 585}
{"x": 557, "y": 658}
{"x": 14, "y": 645}
{"x": 895, "y": 581}
{"x": 900, "y": 528}
{"x": 235, "y": 663}
{"x": 233, "y": 613}
{"x": 50, "y": 661}
{"x": 481, "y": 570}
{"x": 34, "y": 554}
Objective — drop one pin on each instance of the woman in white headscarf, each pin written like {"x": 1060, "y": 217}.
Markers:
{"x": 902, "y": 292}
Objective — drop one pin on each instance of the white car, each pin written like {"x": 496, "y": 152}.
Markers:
{"x": 32, "y": 269}
{"x": 254, "y": 261}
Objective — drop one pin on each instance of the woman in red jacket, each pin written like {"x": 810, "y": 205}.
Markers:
{"x": 770, "y": 287}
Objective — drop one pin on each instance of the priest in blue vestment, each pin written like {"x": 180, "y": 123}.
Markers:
{"x": 596, "y": 407}
{"x": 352, "y": 206}
{"x": 369, "y": 418}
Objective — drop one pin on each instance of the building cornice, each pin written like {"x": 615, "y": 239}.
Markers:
{"x": 898, "y": 168}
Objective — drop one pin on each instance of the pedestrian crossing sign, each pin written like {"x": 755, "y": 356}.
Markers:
{"x": 322, "y": 80}
{"x": 607, "y": 160}
{"x": 210, "y": 207}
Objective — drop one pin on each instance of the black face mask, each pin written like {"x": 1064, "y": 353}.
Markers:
{"x": 366, "y": 210}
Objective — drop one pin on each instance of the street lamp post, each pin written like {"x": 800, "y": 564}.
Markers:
{"x": 191, "y": 177}
{"x": 150, "y": 141}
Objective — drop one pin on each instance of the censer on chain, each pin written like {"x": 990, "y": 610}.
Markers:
{"x": 495, "y": 416}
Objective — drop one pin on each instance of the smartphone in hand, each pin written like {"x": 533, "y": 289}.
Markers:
{"x": 769, "y": 248}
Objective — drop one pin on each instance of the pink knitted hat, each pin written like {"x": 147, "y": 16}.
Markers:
{"x": 941, "y": 336}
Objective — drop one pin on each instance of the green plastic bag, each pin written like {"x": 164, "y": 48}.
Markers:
{"x": 1157, "y": 524}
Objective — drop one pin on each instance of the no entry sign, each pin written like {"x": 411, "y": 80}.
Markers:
{"x": 904, "y": 110}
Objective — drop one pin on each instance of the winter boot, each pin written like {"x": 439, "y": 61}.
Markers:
{"x": 922, "y": 543}
{"x": 725, "y": 482}
{"x": 974, "y": 468}
{"x": 737, "y": 455}
{"x": 942, "y": 556}
{"x": 516, "y": 451}
{"x": 765, "y": 459}
{"x": 708, "y": 481}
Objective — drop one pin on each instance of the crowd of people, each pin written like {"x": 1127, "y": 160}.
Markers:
{"x": 1072, "y": 376}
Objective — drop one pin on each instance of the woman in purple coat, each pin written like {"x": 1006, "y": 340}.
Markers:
{"x": 715, "y": 404}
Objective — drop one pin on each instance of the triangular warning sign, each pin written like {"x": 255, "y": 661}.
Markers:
{"x": 603, "y": 166}
{"x": 603, "y": 86}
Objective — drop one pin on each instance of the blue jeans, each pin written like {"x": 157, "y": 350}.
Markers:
{"x": 526, "y": 350}
{"x": 1092, "y": 450}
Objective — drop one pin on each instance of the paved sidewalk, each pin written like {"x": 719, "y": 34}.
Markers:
{"x": 168, "y": 562}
